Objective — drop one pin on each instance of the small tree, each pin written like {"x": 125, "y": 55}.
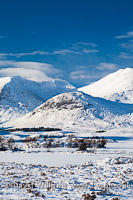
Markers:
{"x": 82, "y": 146}
{"x": 11, "y": 143}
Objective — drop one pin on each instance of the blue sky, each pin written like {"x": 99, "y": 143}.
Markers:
{"x": 77, "y": 40}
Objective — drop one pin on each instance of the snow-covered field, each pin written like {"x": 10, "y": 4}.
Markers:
{"x": 106, "y": 179}
{"x": 64, "y": 156}
{"x": 65, "y": 173}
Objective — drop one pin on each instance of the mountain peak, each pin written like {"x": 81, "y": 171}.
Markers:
{"x": 117, "y": 86}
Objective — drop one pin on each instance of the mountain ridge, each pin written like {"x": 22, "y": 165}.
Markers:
{"x": 76, "y": 108}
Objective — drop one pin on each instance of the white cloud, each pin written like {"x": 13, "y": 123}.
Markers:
{"x": 55, "y": 52}
{"x": 85, "y": 76}
{"x": 2, "y": 36}
{"x": 65, "y": 51}
{"x": 127, "y": 45}
{"x": 90, "y": 50}
{"x": 2, "y": 56}
{"x": 77, "y": 48}
{"x": 30, "y": 74}
{"x": 85, "y": 44}
{"x": 126, "y": 55}
{"x": 30, "y": 70}
{"x": 127, "y": 35}
{"x": 107, "y": 66}
{"x": 78, "y": 75}
{"x": 44, "y": 67}
{"x": 24, "y": 54}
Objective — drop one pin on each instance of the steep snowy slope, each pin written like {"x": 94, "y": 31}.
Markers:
{"x": 117, "y": 86}
{"x": 77, "y": 109}
{"x": 19, "y": 96}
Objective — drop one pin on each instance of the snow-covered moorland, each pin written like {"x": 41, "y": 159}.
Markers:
{"x": 109, "y": 179}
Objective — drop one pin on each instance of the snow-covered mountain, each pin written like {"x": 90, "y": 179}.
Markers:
{"x": 76, "y": 109}
{"x": 19, "y": 96}
{"x": 117, "y": 86}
